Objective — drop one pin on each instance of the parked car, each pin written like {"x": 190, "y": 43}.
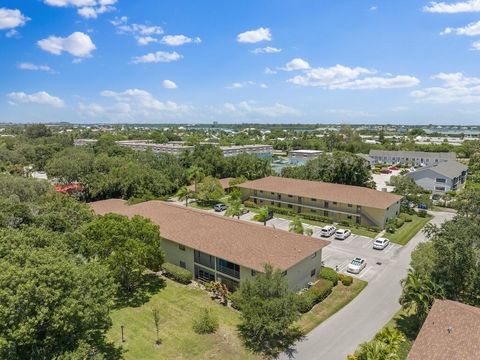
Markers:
{"x": 357, "y": 265}
{"x": 380, "y": 243}
{"x": 342, "y": 234}
{"x": 328, "y": 230}
{"x": 220, "y": 207}
{"x": 422, "y": 206}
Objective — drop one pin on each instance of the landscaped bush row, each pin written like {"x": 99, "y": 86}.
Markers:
{"x": 317, "y": 293}
{"x": 328, "y": 274}
{"x": 177, "y": 273}
{"x": 346, "y": 280}
{"x": 250, "y": 204}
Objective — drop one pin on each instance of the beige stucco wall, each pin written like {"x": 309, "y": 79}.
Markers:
{"x": 298, "y": 276}
{"x": 174, "y": 255}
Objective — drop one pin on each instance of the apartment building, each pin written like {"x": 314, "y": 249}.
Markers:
{"x": 215, "y": 247}
{"x": 418, "y": 158}
{"x": 339, "y": 202}
{"x": 442, "y": 177}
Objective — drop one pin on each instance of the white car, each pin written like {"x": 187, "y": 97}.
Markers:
{"x": 380, "y": 243}
{"x": 342, "y": 234}
{"x": 328, "y": 230}
{"x": 357, "y": 265}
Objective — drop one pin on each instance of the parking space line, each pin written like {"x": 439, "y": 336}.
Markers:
{"x": 390, "y": 247}
{"x": 367, "y": 244}
{"x": 365, "y": 273}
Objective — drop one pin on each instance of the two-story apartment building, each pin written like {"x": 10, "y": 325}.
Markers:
{"x": 224, "y": 249}
{"x": 440, "y": 178}
{"x": 411, "y": 157}
{"x": 340, "y": 202}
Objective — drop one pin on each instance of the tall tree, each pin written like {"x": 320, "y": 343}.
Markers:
{"x": 296, "y": 226}
{"x": 268, "y": 314}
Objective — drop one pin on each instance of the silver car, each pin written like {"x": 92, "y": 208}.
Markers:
{"x": 357, "y": 265}
{"x": 328, "y": 230}
{"x": 342, "y": 234}
{"x": 381, "y": 243}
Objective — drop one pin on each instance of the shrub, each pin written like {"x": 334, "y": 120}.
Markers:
{"x": 346, "y": 280}
{"x": 391, "y": 229}
{"x": 250, "y": 204}
{"x": 316, "y": 294}
{"x": 328, "y": 274}
{"x": 422, "y": 213}
{"x": 177, "y": 273}
{"x": 205, "y": 323}
{"x": 345, "y": 223}
{"x": 399, "y": 223}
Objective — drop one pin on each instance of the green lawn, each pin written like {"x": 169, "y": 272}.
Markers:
{"x": 403, "y": 235}
{"x": 340, "y": 297}
{"x": 178, "y": 305}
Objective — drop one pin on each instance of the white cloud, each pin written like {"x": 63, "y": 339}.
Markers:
{"x": 89, "y": 9}
{"x": 77, "y": 44}
{"x": 144, "y": 34}
{"x": 157, "y": 57}
{"x": 399, "y": 108}
{"x": 269, "y": 71}
{"x": 344, "y": 77}
{"x": 254, "y": 36}
{"x": 239, "y": 85}
{"x": 472, "y": 29}
{"x": 169, "y": 84}
{"x": 453, "y": 8}
{"x": 373, "y": 8}
{"x": 40, "y": 97}
{"x": 143, "y": 100}
{"x": 178, "y": 40}
{"x": 33, "y": 67}
{"x": 251, "y": 109}
{"x": 475, "y": 46}
{"x": 266, "y": 50}
{"x": 11, "y": 19}
{"x": 296, "y": 64}
{"x": 454, "y": 88}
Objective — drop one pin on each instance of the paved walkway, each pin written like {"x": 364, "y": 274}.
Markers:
{"x": 360, "y": 320}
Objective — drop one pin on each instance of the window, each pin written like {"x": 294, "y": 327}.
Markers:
{"x": 182, "y": 264}
{"x": 272, "y": 193}
{"x": 284, "y": 273}
{"x": 272, "y": 202}
{"x": 314, "y": 255}
{"x": 325, "y": 213}
{"x": 261, "y": 191}
{"x": 290, "y": 206}
{"x": 334, "y": 203}
{"x": 313, "y": 272}
{"x": 350, "y": 205}
{"x": 253, "y": 272}
{"x": 441, "y": 180}
{"x": 313, "y": 210}
{"x": 289, "y": 195}
{"x": 349, "y": 216}
{"x": 440, "y": 188}
{"x": 313, "y": 199}
{"x": 181, "y": 247}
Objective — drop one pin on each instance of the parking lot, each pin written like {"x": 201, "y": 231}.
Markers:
{"x": 341, "y": 252}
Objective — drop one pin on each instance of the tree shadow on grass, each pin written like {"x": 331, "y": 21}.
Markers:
{"x": 409, "y": 325}
{"x": 150, "y": 285}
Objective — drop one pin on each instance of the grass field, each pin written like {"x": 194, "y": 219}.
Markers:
{"x": 403, "y": 235}
{"x": 178, "y": 305}
{"x": 340, "y": 297}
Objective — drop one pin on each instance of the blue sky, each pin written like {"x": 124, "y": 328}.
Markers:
{"x": 347, "y": 61}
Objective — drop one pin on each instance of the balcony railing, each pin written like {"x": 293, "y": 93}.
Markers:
{"x": 228, "y": 271}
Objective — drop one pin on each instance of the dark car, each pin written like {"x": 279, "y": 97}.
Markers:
{"x": 220, "y": 207}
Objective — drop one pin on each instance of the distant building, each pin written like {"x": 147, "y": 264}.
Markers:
{"x": 219, "y": 248}
{"x": 451, "y": 331}
{"x": 303, "y": 155}
{"x": 262, "y": 151}
{"x": 441, "y": 177}
{"x": 357, "y": 204}
{"x": 411, "y": 157}
{"x": 84, "y": 142}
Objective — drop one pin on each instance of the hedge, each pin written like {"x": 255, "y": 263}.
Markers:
{"x": 316, "y": 294}
{"x": 177, "y": 273}
{"x": 346, "y": 280}
{"x": 250, "y": 204}
{"x": 328, "y": 274}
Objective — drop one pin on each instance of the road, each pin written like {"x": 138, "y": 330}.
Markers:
{"x": 360, "y": 320}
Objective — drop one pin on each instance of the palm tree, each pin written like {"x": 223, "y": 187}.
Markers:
{"x": 184, "y": 193}
{"x": 262, "y": 215}
{"x": 392, "y": 337}
{"x": 235, "y": 209}
{"x": 296, "y": 226}
{"x": 375, "y": 350}
{"x": 419, "y": 293}
{"x": 195, "y": 174}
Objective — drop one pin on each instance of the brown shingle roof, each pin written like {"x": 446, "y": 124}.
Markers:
{"x": 225, "y": 182}
{"x": 243, "y": 243}
{"x": 450, "y": 332}
{"x": 345, "y": 194}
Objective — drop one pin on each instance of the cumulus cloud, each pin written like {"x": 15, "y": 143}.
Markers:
{"x": 143, "y": 100}
{"x": 169, "y": 84}
{"x": 143, "y": 33}
{"x": 178, "y": 40}
{"x": 472, "y": 29}
{"x": 251, "y": 109}
{"x": 41, "y": 97}
{"x": 453, "y": 8}
{"x": 344, "y": 77}
{"x": 77, "y": 44}
{"x": 254, "y": 36}
{"x": 33, "y": 67}
{"x": 89, "y": 9}
{"x": 296, "y": 64}
{"x": 475, "y": 46}
{"x": 11, "y": 19}
{"x": 269, "y": 71}
{"x": 454, "y": 88}
{"x": 157, "y": 57}
{"x": 266, "y": 50}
